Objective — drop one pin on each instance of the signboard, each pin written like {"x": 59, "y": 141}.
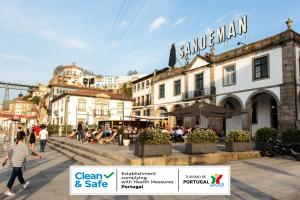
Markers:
{"x": 149, "y": 180}
{"x": 222, "y": 34}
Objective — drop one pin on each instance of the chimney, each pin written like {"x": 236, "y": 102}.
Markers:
{"x": 289, "y": 23}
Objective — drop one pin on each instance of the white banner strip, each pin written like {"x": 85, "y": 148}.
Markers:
{"x": 149, "y": 180}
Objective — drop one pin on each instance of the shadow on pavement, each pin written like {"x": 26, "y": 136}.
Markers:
{"x": 36, "y": 183}
{"x": 4, "y": 176}
{"x": 271, "y": 169}
{"x": 257, "y": 194}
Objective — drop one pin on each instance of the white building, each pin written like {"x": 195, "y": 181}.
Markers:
{"x": 90, "y": 106}
{"x": 115, "y": 82}
{"x": 261, "y": 79}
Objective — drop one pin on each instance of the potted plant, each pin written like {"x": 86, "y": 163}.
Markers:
{"x": 238, "y": 140}
{"x": 291, "y": 135}
{"x": 126, "y": 139}
{"x": 262, "y": 135}
{"x": 153, "y": 143}
{"x": 201, "y": 141}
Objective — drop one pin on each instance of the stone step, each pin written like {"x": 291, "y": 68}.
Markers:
{"x": 86, "y": 154}
{"x": 79, "y": 159}
{"x": 94, "y": 151}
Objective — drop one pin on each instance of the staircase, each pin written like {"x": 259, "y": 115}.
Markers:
{"x": 83, "y": 155}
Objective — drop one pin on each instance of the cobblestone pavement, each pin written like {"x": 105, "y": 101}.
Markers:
{"x": 261, "y": 178}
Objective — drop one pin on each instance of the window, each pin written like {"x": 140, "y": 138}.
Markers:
{"x": 143, "y": 85}
{"x": 147, "y": 100}
{"x": 261, "y": 67}
{"x": 145, "y": 113}
{"x": 148, "y": 112}
{"x": 254, "y": 113}
{"x": 120, "y": 108}
{"x": 177, "y": 87}
{"x": 229, "y": 75}
{"x": 199, "y": 81}
{"x": 161, "y": 91}
{"x": 138, "y": 101}
{"x": 147, "y": 83}
{"x": 142, "y": 100}
{"x": 81, "y": 105}
{"x": 138, "y": 87}
{"x": 134, "y": 88}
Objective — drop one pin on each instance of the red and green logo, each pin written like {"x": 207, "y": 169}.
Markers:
{"x": 216, "y": 180}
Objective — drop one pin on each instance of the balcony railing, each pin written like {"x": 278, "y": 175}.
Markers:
{"x": 198, "y": 93}
{"x": 101, "y": 112}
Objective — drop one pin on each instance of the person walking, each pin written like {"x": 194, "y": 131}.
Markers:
{"x": 31, "y": 139}
{"x": 80, "y": 132}
{"x": 17, "y": 156}
{"x": 43, "y": 138}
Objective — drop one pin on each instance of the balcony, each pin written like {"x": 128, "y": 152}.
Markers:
{"x": 97, "y": 112}
{"x": 198, "y": 93}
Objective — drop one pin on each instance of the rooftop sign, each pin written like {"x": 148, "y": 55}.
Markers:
{"x": 215, "y": 36}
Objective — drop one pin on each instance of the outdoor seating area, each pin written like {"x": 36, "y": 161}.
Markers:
{"x": 150, "y": 141}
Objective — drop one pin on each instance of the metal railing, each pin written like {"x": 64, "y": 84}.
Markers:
{"x": 198, "y": 93}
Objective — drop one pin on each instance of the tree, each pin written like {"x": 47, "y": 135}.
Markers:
{"x": 88, "y": 72}
{"x": 36, "y": 100}
{"x": 99, "y": 76}
{"x": 59, "y": 69}
{"x": 132, "y": 72}
{"x": 126, "y": 90}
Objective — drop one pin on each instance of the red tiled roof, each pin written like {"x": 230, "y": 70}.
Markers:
{"x": 93, "y": 93}
{"x": 13, "y": 116}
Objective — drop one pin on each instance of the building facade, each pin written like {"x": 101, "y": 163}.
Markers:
{"x": 115, "y": 82}
{"x": 261, "y": 79}
{"x": 90, "y": 106}
{"x": 22, "y": 107}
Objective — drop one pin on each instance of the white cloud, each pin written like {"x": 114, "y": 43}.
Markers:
{"x": 179, "y": 21}
{"x": 157, "y": 23}
{"x": 15, "y": 20}
{"x": 67, "y": 41}
{"x": 115, "y": 44}
{"x": 123, "y": 24}
{"x": 13, "y": 57}
{"x": 208, "y": 30}
{"x": 221, "y": 20}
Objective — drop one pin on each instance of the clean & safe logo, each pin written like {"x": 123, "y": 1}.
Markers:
{"x": 92, "y": 180}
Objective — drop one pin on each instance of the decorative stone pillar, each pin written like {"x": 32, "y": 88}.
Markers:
{"x": 288, "y": 93}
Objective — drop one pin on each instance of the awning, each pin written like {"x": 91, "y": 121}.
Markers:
{"x": 207, "y": 110}
{"x": 148, "y": 118}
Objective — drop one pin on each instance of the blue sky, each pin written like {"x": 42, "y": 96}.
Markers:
{"x": 36, "y": 36}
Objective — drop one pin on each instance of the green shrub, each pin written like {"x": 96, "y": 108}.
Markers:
{"x": 264, "y": 134}
{"x": 238, "y": 136}
{"x": 154, "y": 136}
{"x": 291, "y": 135}
{"x": 66, "y": 129}
{"x": 52, "y": 129}
{"x": 202, "y": 136}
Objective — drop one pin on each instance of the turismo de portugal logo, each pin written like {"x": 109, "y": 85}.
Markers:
{"x": 216, "y": 180}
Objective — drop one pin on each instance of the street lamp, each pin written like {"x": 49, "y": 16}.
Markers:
{"x": 240, "y": 43}
{"x": 200, "y": 107}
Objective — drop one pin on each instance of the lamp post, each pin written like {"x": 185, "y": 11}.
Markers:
{"x": 200, "y": 108}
